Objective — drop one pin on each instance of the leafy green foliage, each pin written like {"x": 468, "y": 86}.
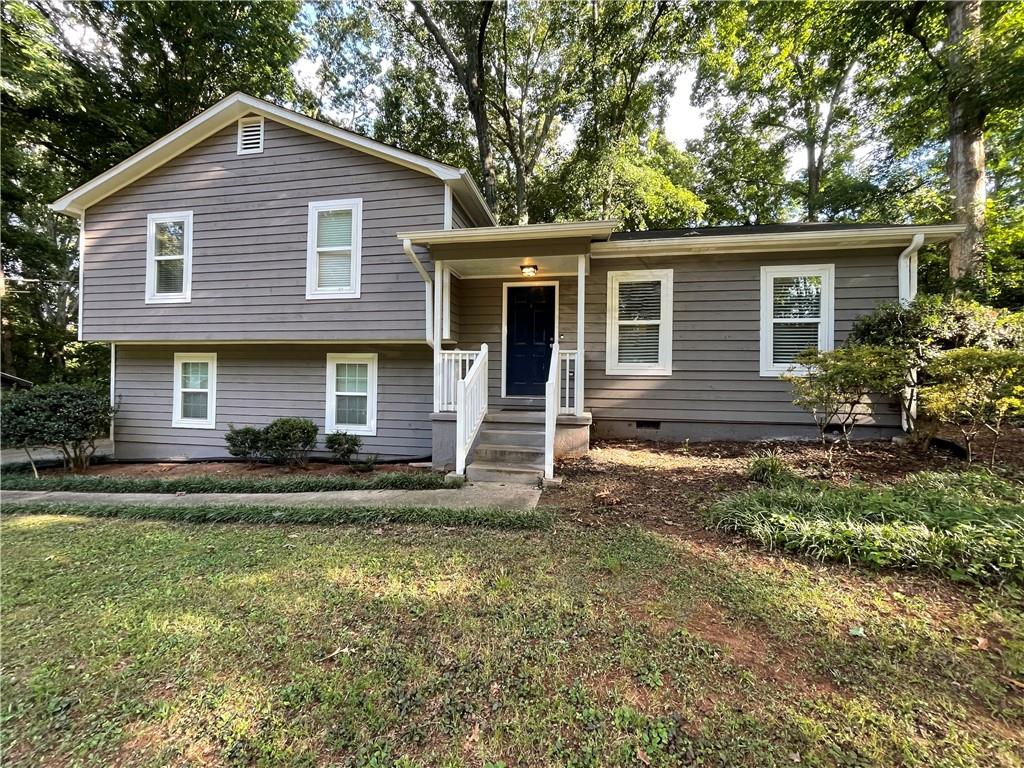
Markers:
{"x": 770, "y": 469}
{"x": 308, "y": 515}
{"x": 66, "y": 416}
{"x": 835, "y": 387}
{"x": 289, "y": 440}
{"x": 342, "y": 445}
{"x": 975, "y": 389}
{"x": 19, "y": 481}
{"x": 245, "y": 442}
{"x": 966, "y": 526}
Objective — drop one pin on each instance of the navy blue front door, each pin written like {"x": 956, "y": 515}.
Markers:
{"x": 531, "y": 332}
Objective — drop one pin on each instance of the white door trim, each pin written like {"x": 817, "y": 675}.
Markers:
{"x": 504, "y": 318}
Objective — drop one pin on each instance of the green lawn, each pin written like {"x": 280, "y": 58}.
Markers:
{"x": 153, "y": 643}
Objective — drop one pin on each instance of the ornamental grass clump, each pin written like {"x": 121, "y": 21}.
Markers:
{"x": 968, "y": 526}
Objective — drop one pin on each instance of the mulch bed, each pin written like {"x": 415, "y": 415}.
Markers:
{"x": 659, "y": 484}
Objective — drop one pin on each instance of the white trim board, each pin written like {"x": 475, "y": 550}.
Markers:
{"x": 504, "y": 320}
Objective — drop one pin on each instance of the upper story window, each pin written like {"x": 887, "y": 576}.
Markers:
{"x": 332, "y": 257}
{"x": 169, "y": 257}
{"x": 195, "y": 390}
{"x": 250, "y": 135}
{"x": 796, "y": 314}
{"x": 639, "y": 334}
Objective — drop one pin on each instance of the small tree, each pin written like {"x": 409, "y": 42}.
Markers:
{"x": 289, "y": 440}
{"x": 975, "y": 389}
{"x": 69, "y": 417}
{"x": 836, "y": 387}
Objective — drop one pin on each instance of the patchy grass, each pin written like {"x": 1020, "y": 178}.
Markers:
{"x": 24, "y": 481}
{"x": 968, "y": 526}
{"x": 155, "y": 643}
{"x": 267, "y": 513}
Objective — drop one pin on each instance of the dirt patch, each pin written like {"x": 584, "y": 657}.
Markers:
{"x": 171, "y": 470}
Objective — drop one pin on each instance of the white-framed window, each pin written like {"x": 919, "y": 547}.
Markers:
{"x": 195, "y": 390}
{"x": 351, "y": 394}
{"x": 250, "y": 135}
{"x": 332, "y": 251}
{"x": 169, "y": 257}
{"x": 639, "y": 334}
{"x": 796, "y": 314}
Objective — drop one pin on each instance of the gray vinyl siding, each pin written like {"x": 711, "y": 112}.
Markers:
{"x": 716, "y": 328}
{"x": 460, "y": 219}
{"x": 249, "y": 244}
{"x": 257, "y": 383}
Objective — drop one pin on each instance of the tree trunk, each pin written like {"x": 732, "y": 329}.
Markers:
{"x": 813, "y": 179}
{"x": 966, "y": 163}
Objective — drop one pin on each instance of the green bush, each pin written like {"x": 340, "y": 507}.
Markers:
{"x": 343, "y": 445}
{"x": 968, "y": 526}
{"x": 302, "y": 514}
{"x": 769, "y": 468}
{"x": 289, "y": 440}
{"x": 245, "y": 443}
{"x": 22, "y": 481}
{"x": 69, "y": 417}
{"x": 973, "y": 390}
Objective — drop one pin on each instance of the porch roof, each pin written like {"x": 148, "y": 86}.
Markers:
{"x": 571, "y": 230}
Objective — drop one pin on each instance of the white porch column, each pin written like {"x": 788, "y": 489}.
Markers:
{"x": 436, "y": 332}
{"x": 581, "y": 289}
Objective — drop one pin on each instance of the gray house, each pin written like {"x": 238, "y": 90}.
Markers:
{"x": 256, "y": 263}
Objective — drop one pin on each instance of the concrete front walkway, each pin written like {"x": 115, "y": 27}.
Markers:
{"x": 472, "y": 495}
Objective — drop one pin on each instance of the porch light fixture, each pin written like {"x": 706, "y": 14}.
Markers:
{"x": 528, "y": 270}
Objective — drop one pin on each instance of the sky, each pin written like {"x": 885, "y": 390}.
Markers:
{"x": 683, "y": 122}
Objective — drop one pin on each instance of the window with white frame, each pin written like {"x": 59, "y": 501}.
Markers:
{"x": 169, "y": 257}
{"x": 796, "y": 314}
{"x": 352, "y": 394}
{"x": 195, "y": 390}
{"x": 332, "y": 258}
{"x": 639, "y": 333}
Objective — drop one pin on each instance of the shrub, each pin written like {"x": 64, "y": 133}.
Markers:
{"x": 343, "y": 445}
{"x": 245, "y": 443}
{"x": 835, "y": 387}
{"x": 289, "y": 440}
{"x": 974, "y": 389}
{"x": 968, "y": 526}
{"x": 69, "y": 417}
{"x": 367, "y": 464}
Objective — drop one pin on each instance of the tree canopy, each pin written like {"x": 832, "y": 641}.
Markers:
{"x": 821, "y": 111}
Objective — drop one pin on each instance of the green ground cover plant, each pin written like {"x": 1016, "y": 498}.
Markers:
{"x": 967, "y": 526}
{"x": 152, "y": 643}
{"x": 24, "y": 481}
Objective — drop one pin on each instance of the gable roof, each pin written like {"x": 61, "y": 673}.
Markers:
{"x": 231, "y": 108}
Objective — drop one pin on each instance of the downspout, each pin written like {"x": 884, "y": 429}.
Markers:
{"x": 428, "y": 289}
{"x": 906, "y": 267}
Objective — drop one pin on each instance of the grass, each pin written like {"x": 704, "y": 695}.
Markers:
{"x": 318, "y": 515}
{"x": 151, "y": 643}
{"x": 24, "y": 481}
{"x": 967, "y": 526}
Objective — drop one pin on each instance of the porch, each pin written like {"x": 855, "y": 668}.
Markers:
{"x": 506, "y": 322}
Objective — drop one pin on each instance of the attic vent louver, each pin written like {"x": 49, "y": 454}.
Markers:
{"x": 250, "y": 135}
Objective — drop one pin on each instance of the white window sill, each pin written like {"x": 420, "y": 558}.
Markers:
{"x": 189, "y": 424}
{"x": 168, "y": 299}
{"x": 336, "y": 296}
{"x": 777, "y": 373}
{"x": 637, "y": 372}
{"x": 353, "y": 429}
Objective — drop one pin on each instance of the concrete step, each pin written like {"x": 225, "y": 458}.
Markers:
{"x": 508, "y": 455}
{"x": 513, "y": 438}
{"x": 515, "y": 417}
{"x": 487, "y": 472}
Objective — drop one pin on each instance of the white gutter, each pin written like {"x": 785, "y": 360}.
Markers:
{"x": 906, "y": 267}
{"x": 428, "y": 286}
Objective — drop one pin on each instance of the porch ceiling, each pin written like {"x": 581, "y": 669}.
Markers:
{"x": 547, "y": 266}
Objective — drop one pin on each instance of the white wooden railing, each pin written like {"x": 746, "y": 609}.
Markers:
{"x": 452, "y": 367}
{"x": 570, "y": 383}
{"x": 470, "y": 407}
{"x": 551, "y": 412}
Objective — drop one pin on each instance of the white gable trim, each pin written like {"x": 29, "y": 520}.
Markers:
{"x": 224, "y": 113}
